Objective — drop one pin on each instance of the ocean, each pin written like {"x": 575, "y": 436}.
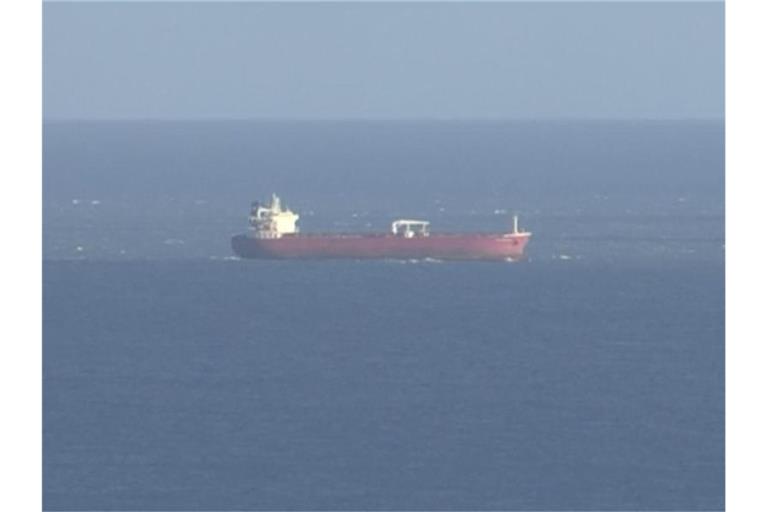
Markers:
{"x": 588, "y": 377}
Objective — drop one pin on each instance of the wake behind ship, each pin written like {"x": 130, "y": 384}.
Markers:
{"x": 273, "y": 234}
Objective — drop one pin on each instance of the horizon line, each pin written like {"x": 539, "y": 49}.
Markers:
{"x": 373, "y": 119}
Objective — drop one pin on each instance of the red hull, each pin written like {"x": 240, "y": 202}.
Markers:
{"x": 437, "y": 246}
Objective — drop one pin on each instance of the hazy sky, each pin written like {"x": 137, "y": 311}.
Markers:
{"x": 377, "y": 60}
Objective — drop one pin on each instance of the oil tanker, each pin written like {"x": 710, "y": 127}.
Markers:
{"x": 273, "y": 234}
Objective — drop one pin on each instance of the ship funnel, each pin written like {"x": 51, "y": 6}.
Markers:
{"x": 514, "y": 225}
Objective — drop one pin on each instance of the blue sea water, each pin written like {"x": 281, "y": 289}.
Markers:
{"x": 589, "y": 377}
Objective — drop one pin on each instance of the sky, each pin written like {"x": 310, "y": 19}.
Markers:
{"x": 291, "y": 60}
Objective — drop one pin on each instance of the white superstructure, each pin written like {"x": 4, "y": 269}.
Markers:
{"x": 409, "y": 228}
{"x": 272, "y": 220}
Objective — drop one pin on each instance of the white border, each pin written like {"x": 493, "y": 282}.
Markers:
{"x": 20, "y": 233}
{"x": 746, "y": 303}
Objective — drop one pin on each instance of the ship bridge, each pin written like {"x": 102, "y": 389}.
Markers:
{"x": 272, "y": 220}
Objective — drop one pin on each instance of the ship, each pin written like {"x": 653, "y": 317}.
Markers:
{"x": 274, "y": 234}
